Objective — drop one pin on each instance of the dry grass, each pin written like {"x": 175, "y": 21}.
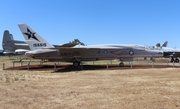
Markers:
{"x": 126, "y": 89}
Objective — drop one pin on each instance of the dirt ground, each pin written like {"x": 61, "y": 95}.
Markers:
{"x": 156, "y": 88}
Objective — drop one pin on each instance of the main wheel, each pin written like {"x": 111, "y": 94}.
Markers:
{"x": 121, "y": 64}
{"x": 176, "y": 60}
{"x": 172, "y": 59}
{"x": 76, "y": 64}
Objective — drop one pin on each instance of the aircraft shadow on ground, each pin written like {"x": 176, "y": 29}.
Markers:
{"x": 63, "y": 68}
{"x": 69, "y": 68}
{"x": 84, "y": 67}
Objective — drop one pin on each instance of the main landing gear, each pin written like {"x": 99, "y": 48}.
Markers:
{"x": 121, "y": 64}
{"x": 174, "y": 60}
{"x": 76, "y": 64}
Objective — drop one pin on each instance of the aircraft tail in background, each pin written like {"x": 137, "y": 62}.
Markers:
{"x": 7, "y": 40}
{"x": 165, "y": 44}
{"x": 158, "y": 45}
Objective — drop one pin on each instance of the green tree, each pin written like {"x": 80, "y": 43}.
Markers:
{"x": 77, "y": 41}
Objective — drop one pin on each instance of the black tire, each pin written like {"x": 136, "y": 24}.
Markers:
{"x": 172, "y": 59}
{"x": 76, "y": 64}
{"x": 176, "y": 60}
{"x": 121, "y": 64}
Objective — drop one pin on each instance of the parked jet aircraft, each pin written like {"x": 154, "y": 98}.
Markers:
{"x": 171, "y": 53}
{"x": 41, "y": 49}
{"x": 16, "y": 47}
{"x": 168, "y": 51}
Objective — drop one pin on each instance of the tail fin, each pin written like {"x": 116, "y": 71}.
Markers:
{"x": 8, "y": 41}
{"x": 33, "y": 39}
{"x": 158, "y": 45}
{"x": 165, "y": 44}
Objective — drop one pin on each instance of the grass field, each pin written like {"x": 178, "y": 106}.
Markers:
{"x": 102, "y": 89}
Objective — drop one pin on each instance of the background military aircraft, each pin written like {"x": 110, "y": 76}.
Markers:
{"x": 158, "y": 45}
{"x": 169, "y": 52}
{"x": 11, "y": 46}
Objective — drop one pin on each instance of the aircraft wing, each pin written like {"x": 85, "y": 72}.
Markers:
{"x": 78, "y": 51}
{"x": 89, "y": 48}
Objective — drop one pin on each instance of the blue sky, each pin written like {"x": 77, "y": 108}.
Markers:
{"x": 95, "y": 21}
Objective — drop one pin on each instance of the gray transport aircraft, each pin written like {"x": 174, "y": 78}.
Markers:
{"x": 16, "y": 47}
{"x": 11, "y": 46}
{"x": 41, "y": 49}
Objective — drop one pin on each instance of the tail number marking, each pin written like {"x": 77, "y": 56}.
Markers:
{"x": 39, "y": 45}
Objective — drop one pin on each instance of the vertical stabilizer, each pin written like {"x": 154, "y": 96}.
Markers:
{"x": 158, "y": 45}
{"x": 165, "y": 44}
{"x": 8, "y": 41}
{"x": 33, "y": 39}
{"x": 11, "y": 36}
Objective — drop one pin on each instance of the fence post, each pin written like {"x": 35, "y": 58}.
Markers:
{"x": 3, "y": 66}
{"x": 54, "y": 66}
{"x": 21, "y": 63}
{"x": 152, "y": 64}
{"x": 107, "y": 65}
{"x": 28, "y": 66}
{"x": 81, "y": 65}
{"x": 12, "y": 64}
